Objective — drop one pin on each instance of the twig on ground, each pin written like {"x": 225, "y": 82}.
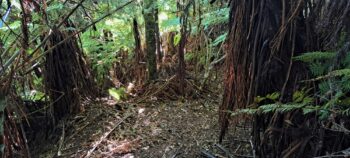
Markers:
{"x": 224, "y": 150}
{"x": 252, "y": 145}
{"x": 207, "y": 154}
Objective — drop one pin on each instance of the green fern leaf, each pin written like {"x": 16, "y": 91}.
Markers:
{"x": 312, "y": 56}
{"x": 317, "y": 69}
{"x": 324, "y": 87}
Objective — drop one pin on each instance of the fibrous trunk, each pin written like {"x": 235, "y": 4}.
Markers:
{"x": 258, "y": 59}
{"x": 264, "y": 36}
{"x": 150, "y": 26}
{"x": 67, "y": 78}
{"x": 181, "y": 52}
{"x": 139, "y": 68}
{"x": 158, "y": 41}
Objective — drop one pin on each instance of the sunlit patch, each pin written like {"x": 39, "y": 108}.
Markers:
{"x": 163, "y": 16}
{"x": 128, "y": 156}
{"x": 112, "y": 22}
{"x": 141, "y": 110}
{"x": 122, "y": 147}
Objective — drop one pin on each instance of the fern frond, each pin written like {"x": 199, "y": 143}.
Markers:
{"x": 269, "y": 108}
{"x": 324, "y": 87}
{"x": 341, "y": 72}
{"x": 282, "y": 108}
{"x": 317, "y": 69}
{"x": 345, "y": 84}
{"x": 245, "y": 111}
{"x": 335, "y": 73}
{"x": 312, "y": 56}
{"x": 310, "y": 109}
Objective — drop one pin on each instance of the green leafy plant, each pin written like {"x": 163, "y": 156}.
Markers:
{"x": 118, "y": 94}
{"x": 333, "y": 89}
{"x": 220, "y": 39}
{"x": 177, "y": 39}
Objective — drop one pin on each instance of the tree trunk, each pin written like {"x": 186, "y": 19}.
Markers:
{"x": 2, "y": 118}
{"x": 264, "y": 36}
{"x": 151, "y": 47}
{"x": 181, "y": 53}
{"x": 158, "y": 41}
{"x": 260, "y": 50}
{"x": 138, "y": 67}
{"x": 67, "y": 78}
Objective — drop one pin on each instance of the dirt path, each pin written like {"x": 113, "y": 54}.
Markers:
{"x": 178, "y": 129}
{"x": 154, "y": 129}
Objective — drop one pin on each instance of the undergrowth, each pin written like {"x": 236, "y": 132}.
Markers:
{"x": 328, "y": 98}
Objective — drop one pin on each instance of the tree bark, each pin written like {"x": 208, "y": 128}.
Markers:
{"x": 158, "y": 41}
{"x": 181, "y": 53}
{"x": 138, "y": 67}
{"x": 151, "y": 47}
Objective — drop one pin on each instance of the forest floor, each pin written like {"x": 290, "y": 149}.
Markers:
{"x": 151, "y": 129}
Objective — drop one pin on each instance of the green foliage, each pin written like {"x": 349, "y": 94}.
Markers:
{"x": 218, "y": 16}
{"x": 103, "y": 52}
{"x": 177, "y": 39}
{"x": 301, "y": 96}
{"x": 189, "y": 56}
{"x": 55, "y": 7}
{"x": 314, "y": 56}
{"x": 170, "y": 24}
{"x": 271, "y": 97}
{"x": 34, "y": 95}
{"x": 220, "y": 39}
{"x": 118, "y": 94}
{"x": 333, "y": 89}
{"x": 342, "y": 72}
{"x": 271, "y": 108}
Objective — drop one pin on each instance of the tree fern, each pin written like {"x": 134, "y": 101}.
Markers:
{"x": 333, "y": 89}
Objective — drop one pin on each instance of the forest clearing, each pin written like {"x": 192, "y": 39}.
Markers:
{"x": 174, "y": 78}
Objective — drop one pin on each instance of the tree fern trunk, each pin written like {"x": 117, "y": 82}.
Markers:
{"x": 262, "y": 41}
{"x": 150, "y": 26}
{"x": 158, "y": 41}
